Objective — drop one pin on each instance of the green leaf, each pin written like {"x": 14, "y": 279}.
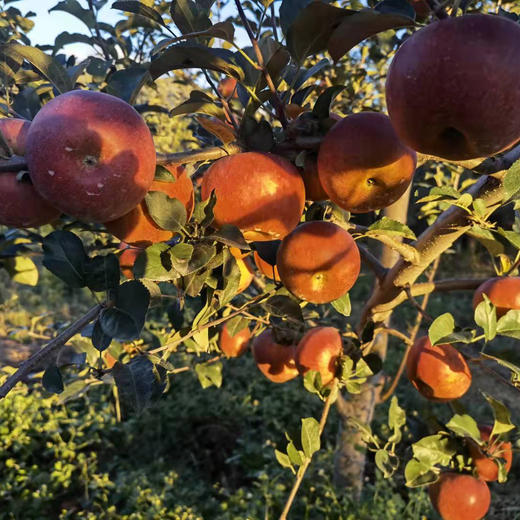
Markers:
{"x": 189, "y": 17}
{"x": 297, "y": 457}
{"x": 256, "y": 135}
{"x": 126, "y": 318}
{"x": 100, "y": 340}
{"x": 383, "y": 463}
{"x": 502, "y": 416}
{"x": 155, "y": 263}
{"x": 66, "y": 38}
{"x": 47, "y": 65}
{"x": 65, "y": 257}
{"x": 196, "y": 57}
{"x": 419, "y": 474}
{"x": 137, "y": 384}
{"x": 441, "y": 327}
{"x": 22, "y": 270}
{"x": 141, "y": 9}
{"x": 283, "y": 307}
{"x": 486, "y": 317}
{"x": 182, "y": 252}
{"x": 396, "y": 420}
{"x": 209, "y": 374}
{"x": 515, "y": 371}
{"x": 231, "y": 236}
{"x": 231, "y": 278}
{"x": 434, "y": 449}
{"x": 342, "y": 305}
{"x": 128, "y": 82}
{"x": 511, "y": 181}
{"x": 162, "y": 174}
{"x": 284, "y": 460}
{"x": 322, "y": 106}
{"x": 74, "y": 8}
{"x": 368, "y": 22}
{"x": 393, "y": 227}
{"x": 203, "y": 213}
{"x": 509, "y": 324}
{"x": 311, "y": 29}
{"x": 102, "y": 272}
{"x": 236, "y": 324}
{"x": 310, "y": 436}
{"x": 198, "y": 103}
{"x": 52, "y": 380}
{"x": 511, "y": 236}
{"x": 465, "y": 426}
{"x": 168, "y": 213}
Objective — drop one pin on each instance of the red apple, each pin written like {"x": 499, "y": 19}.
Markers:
{"x": 91, "y": 155}
{"x": 138, "y": 228}
{"x": 320, "y": 349}
{"x": 260, "y": 193}
{"x": 234, "y": 346}
{"x": 504, "y": 293}
{"x": 452, "y": 88}
{"x": 14, "y": 131}
{"x": 362, "y": 164}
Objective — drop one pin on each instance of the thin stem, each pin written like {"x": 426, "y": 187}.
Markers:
{"x": 100, "y": 40}
{"x": 277, "y": 102}
{"x": 372, "y": 262}
{"x": 13, "y": 164}
{"x": 49, "y": 349}
{"x": 303, "y": 468}
{"x": 418, "y": 320}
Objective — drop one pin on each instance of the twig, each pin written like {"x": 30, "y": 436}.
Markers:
{"x": 277, "y": 102}
{"x": 303, "y": 468}
{"x": 386, "y": 394}
{"x": 437, "y": 9}
{"x": 100, "y": 40}
{"x": 49, "y": 349}
{"x": 499, "y": 162}
{"x": 417, "y": 305}
{"x": 203, "y": 154}
{"x": 373, "y": 263}
{"x": 223, "y": 100}
{"x": 13, "y": 164}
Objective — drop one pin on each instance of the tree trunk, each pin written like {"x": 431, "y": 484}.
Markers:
{"x": 350, "y": 452}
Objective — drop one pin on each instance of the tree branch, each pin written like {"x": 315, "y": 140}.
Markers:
{"x": 499, "y": 162}
{"x": 433, "y": 242}
{"x": 372, "y": 262}
{"x": 49, "y": 349}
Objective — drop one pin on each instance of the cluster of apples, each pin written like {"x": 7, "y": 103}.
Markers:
{"x": 90, "y": 155}
{"x": 319, "y": 349}
{"x": 440, "y": 373}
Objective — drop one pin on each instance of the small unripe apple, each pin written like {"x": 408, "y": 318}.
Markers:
{"x": 483, "y": 457}
{"x": 318, "y": 261}
{"x": 438, "y": 372}
{"x": 138, "y": 228}
{"x": 260, "y": 193}
{"x": 320, "y": 349}
{"x": 504, "y": 294}
{"x": 90, "y": 155}
{"x": 363, "y": 165}
{"x": 456, "y": 496}
{"x": 234, "y": 346}
{"x": 274, "y": 360}
{"x": 452, "y": 88}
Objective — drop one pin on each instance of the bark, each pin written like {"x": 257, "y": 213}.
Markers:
{"x": 350, "y": 454}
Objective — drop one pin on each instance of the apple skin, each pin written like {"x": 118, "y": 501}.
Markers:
{"x": 268, "y": 270}
{"x": 127, "y": 259}
{"x": 234, "y": 346}
{"x": 421, "y": 8}
{"x": 91, "y": 155}
{"x": 227, "y": 88}
{"x": 246, "y": 274}
{"x": 262, "y": 194}
{"x": 456, "y": 496}
{"x": 137, "y": 227}
{"x": 313, "y": 188}
{"x": 362, "y": 164}
{"x": 20, "y": 204}
{"x": 15, "y": 131}
{"x": 320, "y": 349}
{"x": 440, "y": 372}
{"x": 274, "y": 360}
{"x": 452, "y": 87}
{"x": 318, "y": 262}
{"x": 504, "y": 293}
{"x": 486, "y": 468}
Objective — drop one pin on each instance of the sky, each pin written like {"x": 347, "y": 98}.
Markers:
{"x": 49, "y": 25}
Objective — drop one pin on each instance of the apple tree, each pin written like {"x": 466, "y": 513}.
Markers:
{"x": 327, "y": 140}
